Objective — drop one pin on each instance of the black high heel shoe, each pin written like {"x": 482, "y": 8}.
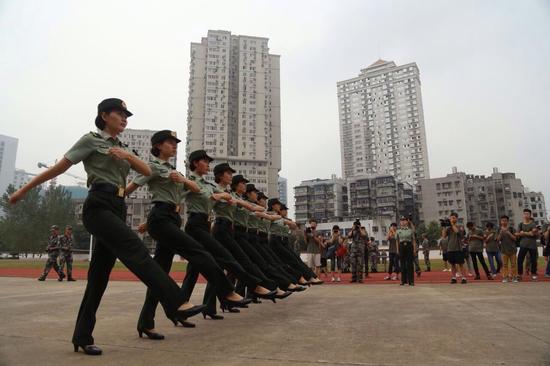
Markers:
{"x": 297, "y": 289}
{"x": 235, "y": 304}
{"x": 183, "y": 315}
{"x": 184, "y": 323}
{"x": 230, "y": 309}
{"x": 150, "y": 335}
{"x": 89, "y": 349}
{"x": 212, "y": 316}
{"x": 269, "y": 296}
{"x": 284, "y": 295}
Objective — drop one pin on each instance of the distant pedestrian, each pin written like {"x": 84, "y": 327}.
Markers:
{"x": 393, "y": 267}
{"x": 53, "y": 255}
{"x": 66, "y": 252}
{"x": 426, "y": 252}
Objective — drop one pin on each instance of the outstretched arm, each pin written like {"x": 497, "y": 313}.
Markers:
{"x": 59, "y": 168}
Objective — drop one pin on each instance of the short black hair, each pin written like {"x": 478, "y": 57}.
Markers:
{"x": 218, "y": 177}
{"x": 394, "y": 224}
{"x": 454, "y": 214}
{"x": 470, "y": 224}
{"x": 192, "y": 166}
{"x": 336, "y": 227}
{"x": 489, "y": 225}
{"x": 504, "y": 217}
{"x": 99, "y": 122}
{"x": 527, "y": 210}
{"x": 155, "y": 151}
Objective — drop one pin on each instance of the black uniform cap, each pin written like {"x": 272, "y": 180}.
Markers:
{"x": 222, "y": 168}
{"x": 262, "y": 196}
{"x": 272, "y": 202}
{"x": 238, "y": 179}
{"x": 110, "y": 104}
{"x": 199, "y": 155}
{"x": 161, "y": 136}
{"x": 283, "y": 207}
{"x": 251, "y": 188}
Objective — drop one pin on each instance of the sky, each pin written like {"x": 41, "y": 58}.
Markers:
{"x": 484, "y": 68}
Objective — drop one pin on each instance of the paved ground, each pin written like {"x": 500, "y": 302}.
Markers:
{"x": 429, "y": 324}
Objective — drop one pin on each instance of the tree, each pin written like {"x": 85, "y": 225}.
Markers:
{"x": 20, "y": 225}
{"x": 26, "y": 225}
{"x": 433, "y": 231}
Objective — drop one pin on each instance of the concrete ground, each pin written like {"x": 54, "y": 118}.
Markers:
{"x": 474, "y": 324}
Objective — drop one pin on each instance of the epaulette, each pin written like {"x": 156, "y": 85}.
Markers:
{"x": 95, "y": 134}
{"x": 212, "y": 184}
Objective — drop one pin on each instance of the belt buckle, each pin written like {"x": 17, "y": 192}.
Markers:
{"x": 120, "y": 192}
{"x": 177, "y": 209}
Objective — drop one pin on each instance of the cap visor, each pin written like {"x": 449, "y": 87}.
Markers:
{"x": 128, "y": 113}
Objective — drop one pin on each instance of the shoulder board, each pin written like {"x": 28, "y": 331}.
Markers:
{"x": 212, "y": 184}
{"x": 95, "y": 134}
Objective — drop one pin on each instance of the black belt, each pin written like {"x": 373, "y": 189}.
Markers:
{"x": 223, "y": 221}
{"x": 262, "y": 235}
{"x": 241, "y": 229}
{"x": 167, "y": 206}
{"x": 198, "y": 215}
{"x": 108, "y": 188}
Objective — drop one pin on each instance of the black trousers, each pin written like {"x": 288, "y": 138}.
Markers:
{"x": 475, "y": 256}
{"x": 249, "y": 241}
{"x": 406, "y": 256}
{"x": 533, "y": 253}
{"x": 291, "y": 274}
{"x": 394, "y": 263}
{"x": 242, "y": 251}
{"x": 104, "y": 216}
{"x": 164, "y": 225}
{"x": 289, "y": 257}
{"x": 197, "y": 228}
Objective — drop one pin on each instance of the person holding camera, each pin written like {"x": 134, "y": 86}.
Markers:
{"x": 357, "y": 251}
{"x": 406, "y": 249}
{"x": 393, "y": 267}
{"x": 451, "y": 231}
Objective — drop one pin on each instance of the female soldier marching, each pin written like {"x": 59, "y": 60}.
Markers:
{"x": 107, "y": 164}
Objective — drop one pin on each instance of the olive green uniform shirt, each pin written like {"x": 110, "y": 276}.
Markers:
{"x": 200, "y": 202}
{"x": 101, "y": 167}
{"x": 223, "y": 209}
{"x": 241, "y": 214}
{"x": 453, "y": 241}
{"x": 161, "y": 187}
{"x": 404, "y": 235}
{"x": 507, "y": 244}
{"x": 476, "y": 245}
{"x": 491, "y": 246}
{"x": 527, "y": 241}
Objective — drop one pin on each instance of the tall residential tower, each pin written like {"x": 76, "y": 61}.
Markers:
{"x": 234, "y": 105}
{"x": 382, "y": 123}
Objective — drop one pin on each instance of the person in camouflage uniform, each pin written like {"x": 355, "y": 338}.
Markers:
{"x": 357, "y": 252}
{"x": 66, "y": 252}
{"x": 426, "y": 252}
{"x": 53, "y": 254}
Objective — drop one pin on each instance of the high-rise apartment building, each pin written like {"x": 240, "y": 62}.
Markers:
{"x": 536, "y": 203}
{"x": 382, "y": 123}
{"x": 8, "y": 153}
{"x": 283, "y": 190}
{"x": 234, "y": 105}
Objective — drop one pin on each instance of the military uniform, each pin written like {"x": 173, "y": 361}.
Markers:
{"x": 405, "y": 237}
{"x": 426, "y": 253}
{"x": 199, "y": 207}
{"x": 104, "y": 216}
{"x": 476, "y": 252}
{"x": 66, "y": 257}
{"x": 53, "y": 255}
{"x": 164, "y": 225}
{"x": 357, "y": 255}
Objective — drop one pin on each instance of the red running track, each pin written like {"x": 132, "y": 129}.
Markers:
{"x": 373, "y": 278}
